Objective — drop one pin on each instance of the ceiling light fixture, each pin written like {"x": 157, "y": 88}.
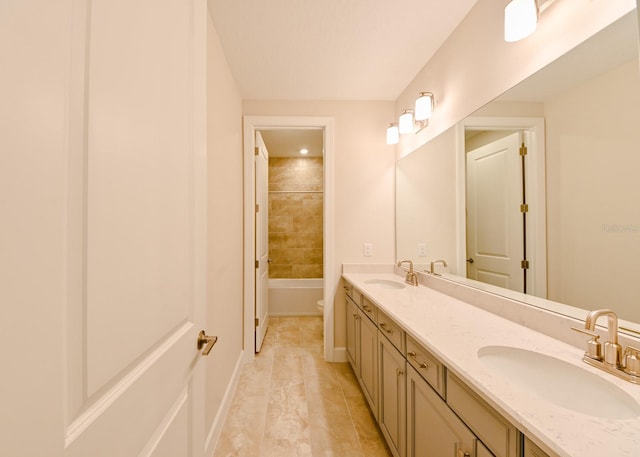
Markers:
{"x": 304, "y": 151}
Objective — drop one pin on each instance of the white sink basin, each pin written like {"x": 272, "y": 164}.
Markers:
{"x": 559, "y": 382}
{"x": 385, "y": 283}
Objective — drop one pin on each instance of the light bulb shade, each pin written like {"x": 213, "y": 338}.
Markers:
{"x": 393, "y": 136}
{"x": 405, "y": 124}
{"x": 424, "y": 106}
{"x": 520, "y": 19}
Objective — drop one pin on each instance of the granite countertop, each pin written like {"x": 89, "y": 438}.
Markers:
{"x": 454, "y": 331}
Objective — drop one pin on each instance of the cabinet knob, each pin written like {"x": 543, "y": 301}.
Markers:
{"x": 383, "y": 326}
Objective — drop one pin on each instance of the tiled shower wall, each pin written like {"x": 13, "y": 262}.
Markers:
{"x": 295, "y": 217}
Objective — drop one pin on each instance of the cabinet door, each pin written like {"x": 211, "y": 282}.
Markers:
{"x": 392, "y": 404}
{"x": 369, "y": 361}
{"x": 433, "y": 430}
{"x": 353, "y": 336}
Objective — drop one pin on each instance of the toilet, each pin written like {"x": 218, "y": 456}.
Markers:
{"x": 320, "y": 304}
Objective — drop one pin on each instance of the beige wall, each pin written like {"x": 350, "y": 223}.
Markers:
{"x": 295, "y": 217}
{"x": 363, "y": 181}
{"x": 593, "y": 193}
{"x": 225, "y": 225}
{"x": 475, "y": 64}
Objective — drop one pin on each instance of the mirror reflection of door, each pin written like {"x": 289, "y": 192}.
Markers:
{"x": 495, "y": 221}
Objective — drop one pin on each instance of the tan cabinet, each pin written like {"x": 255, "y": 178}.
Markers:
{"x": 353, "y": 335}
{"x": 531, "y": 450}
{"x": 392, "y": 404}
{"x": 433, "y": 430}
{"x": 368, "y": 375}
{"x": 497, "y": 434}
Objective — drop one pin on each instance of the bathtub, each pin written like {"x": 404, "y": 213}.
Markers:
{"x": 295, "y": 297}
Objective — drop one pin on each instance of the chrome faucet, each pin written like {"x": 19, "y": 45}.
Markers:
{"x": 411, "y": 278}
{"x": 627, "y": 367}
{"x": 433, "y": 263}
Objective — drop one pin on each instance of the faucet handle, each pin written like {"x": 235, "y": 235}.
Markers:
{"x": 632, "y": 360}
{"x": 594, "y": 347}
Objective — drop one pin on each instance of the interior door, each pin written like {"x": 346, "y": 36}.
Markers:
{"x": 495, "y": 231}
{"x": 262, "y": 240}
{"x": 107, "y": 179}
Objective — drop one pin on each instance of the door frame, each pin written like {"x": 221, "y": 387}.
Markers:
{"x": 251, "y": 124}
{"x": 535, "y": 186}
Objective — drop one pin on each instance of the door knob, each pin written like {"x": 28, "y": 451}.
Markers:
{"x": 470, "y": 260}
{"x": 206, "y": 341}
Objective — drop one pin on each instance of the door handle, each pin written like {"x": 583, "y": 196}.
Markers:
{"x": 206, "y": 341}
{"x": 470, "y": 260}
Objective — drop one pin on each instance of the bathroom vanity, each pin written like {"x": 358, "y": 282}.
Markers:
{"x": 444, "y": 377}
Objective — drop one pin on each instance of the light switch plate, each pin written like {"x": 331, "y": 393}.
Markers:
{"x": 367, "y": 249}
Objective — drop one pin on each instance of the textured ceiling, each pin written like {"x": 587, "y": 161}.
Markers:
{"x": 331, "y": 49}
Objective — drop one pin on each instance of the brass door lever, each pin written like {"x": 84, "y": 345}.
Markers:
{"x": 206, "y": 341}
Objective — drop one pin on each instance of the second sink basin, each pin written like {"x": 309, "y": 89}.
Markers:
{"x": 560, "y": 382}
{"x": 385, "y": 283}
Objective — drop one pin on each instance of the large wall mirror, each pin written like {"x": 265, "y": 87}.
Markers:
{"x": 557, "y": 227}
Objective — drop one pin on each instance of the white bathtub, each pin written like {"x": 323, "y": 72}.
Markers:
{"x": 295, "y": 297}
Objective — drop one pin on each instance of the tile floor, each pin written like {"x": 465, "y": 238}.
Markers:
{"x": 290, "y": 402}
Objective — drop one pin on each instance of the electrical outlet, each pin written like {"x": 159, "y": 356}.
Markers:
{"x": 422, "y": 249}
{"x": 367, "y": 249}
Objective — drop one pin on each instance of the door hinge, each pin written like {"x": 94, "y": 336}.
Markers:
{"x": 256, "y": 150}
{"x": 523, "y": 150}
{"x": 524, "y": 264}
{"x": 257, "y": 208}
{"x": 257, "y": 322}
{"x": 524, "y": 208}
{"x": 257, "y": 264}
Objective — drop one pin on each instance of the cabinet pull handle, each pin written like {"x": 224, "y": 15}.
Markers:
{"x": 355, "y": 316}
{"x": 383, "y": 326}
{"x": 462, "y": 453}
{"x": 367, "y": 308}
{"x": 420, "y": 364}
{"x": 399, "y": 372}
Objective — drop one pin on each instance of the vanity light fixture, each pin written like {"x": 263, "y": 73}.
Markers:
{"x": 393, "y": 135}
{"x": 424, "y": 106}
{"x": 410, "y": 119}
{"x": 520, "y": 19}
{"x": 405, "y": 123}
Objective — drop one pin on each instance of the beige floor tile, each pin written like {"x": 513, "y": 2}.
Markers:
{"x": 290, "y": 402}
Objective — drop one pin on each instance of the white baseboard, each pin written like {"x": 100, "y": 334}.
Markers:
{"x": 340, "y": 354}
{"x": 216, "y": 427}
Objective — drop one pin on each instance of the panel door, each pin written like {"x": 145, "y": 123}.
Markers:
{"x": 107, "y": 178}
{"x": 392, "y": 405}
{"x": 495, "y": 231}
{"x": 433, "y": 430}
{"x": 262, "y": 240}
{"x": 369, "y": 361}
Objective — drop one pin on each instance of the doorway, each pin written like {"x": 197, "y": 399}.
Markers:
{"x": 264, "y": 125}
{"x": 533, "y": 236}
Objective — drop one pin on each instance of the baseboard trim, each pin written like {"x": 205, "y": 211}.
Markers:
{"x": 216, "y": 427}
{"x": 340, "y": 354}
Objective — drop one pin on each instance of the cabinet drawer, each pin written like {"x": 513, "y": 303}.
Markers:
{"x": 531, "y": 450}
{"x": 352, "y": 293}
{"x": 369, "y": 309}
{"x": 427, "y": 365}
{"x": 500, "y": 437}
{"x": 391, "y": 330}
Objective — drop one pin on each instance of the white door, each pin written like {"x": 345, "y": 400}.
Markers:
{"x": 495, "y": 231}
{"x": 262, "y": 240}
{"x": 103, "y": 185}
